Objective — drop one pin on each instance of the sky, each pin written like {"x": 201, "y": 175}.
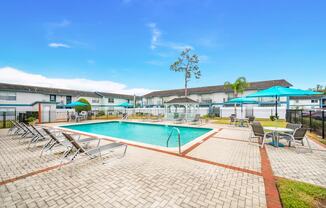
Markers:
{"x": 127, "y": 46}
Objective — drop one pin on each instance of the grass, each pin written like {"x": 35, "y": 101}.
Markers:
{"x": 264, "y": 122}
{"x": 314, "y": 136}
{"x": 8, "y": 124}
{"x": 296, "y": 194}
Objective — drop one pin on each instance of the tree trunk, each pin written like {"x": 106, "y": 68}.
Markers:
{"x": 235, "y": 105}
{"x": 186, "y": 82}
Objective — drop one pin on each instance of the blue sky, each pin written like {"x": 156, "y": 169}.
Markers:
{"x": 129, "y": 44}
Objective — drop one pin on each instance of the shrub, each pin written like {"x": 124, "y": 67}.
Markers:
{"x": 100, "y": 113}
{"x": 273, "y": 118}
{"x": 30, "y": 119}
{"x": 88, "y": 107}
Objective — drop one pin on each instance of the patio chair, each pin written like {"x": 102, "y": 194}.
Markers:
{"x": 29, "y": 133}
{"x": 298, "y": 135}
{"x": 38, "y": 137}
{"x": 258, "y": 132}
{"x": 251, "y": 119}
{"x": 233, "y": 120}
{"x": 91, "y": 153}
{"x": 293, "y": 127}
{"x": 15, "y": 129}
{"x": 56, "y": 141}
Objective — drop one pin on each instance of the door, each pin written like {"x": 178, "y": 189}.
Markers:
{"x": 46, "y": 114}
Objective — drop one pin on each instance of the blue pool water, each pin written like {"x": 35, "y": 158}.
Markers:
{"x": 146, "y": 133}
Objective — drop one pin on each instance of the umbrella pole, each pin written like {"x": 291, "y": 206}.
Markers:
{"x": 276, "y": 114}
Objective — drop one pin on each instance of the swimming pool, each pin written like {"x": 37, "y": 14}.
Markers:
{"x": 152, "y": 134}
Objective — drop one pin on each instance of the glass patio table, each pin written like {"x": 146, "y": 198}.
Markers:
{"x": 276, "y": 131}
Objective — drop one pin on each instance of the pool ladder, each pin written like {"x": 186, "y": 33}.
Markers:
{"x": 179, "y": 142}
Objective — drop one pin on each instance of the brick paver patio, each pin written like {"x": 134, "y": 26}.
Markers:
{"x": 223, "y": 171}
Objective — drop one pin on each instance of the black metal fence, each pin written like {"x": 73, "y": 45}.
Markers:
{"x": 7, "y": 116}
{"x": 314, "y": 120}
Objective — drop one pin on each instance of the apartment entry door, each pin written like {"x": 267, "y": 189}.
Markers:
{"x": 46, "y": 114}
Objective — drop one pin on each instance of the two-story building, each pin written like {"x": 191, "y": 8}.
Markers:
{"x": 20, "y": 98}
{"x": 214, "y": 95}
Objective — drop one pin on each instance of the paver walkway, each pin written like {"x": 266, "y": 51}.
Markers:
{"x": 223, "y": 171}
{"x": 142, "y": 179}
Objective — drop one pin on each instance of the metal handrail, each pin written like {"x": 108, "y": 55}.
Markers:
{"x": 179, "y": 142}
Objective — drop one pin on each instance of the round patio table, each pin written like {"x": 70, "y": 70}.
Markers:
{"x": 276, "y": 131}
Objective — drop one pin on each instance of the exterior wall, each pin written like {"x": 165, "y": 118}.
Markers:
{"x": 305, "y": 103}
{"x": 25, "y": 100}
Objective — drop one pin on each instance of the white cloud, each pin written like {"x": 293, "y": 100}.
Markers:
{"x": 157, "y": 41}
{"x": 178, "y": 46}
{"x": 59, "y": 45}
{"x": 156, "y": 34}
{"x": 16, "y": 76}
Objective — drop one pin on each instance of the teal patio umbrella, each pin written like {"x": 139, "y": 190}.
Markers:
{"x": 76, "y": 104}
{"x": 125, "y": 105}
{"x": 241, "y": 101}
{"x": 279, "y": 91}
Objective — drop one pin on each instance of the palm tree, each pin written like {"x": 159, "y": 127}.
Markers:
{"x": 238, "y": 87}
{"x": 188, "y": 64}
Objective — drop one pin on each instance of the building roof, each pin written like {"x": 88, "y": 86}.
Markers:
{"x": 182, "y": 100}
{"x": 115, "y": 95}
{"x": 219, "y": 88}
{"x": 57, "y": 91}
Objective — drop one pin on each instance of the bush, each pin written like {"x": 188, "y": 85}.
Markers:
{"x": 273, "y": 118}
{"x": 30, "y": 119}
{"x": 100, "y": 113}
{"x": 88, "y": 107}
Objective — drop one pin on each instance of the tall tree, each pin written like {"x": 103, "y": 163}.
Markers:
{"x": 238, "y": 87}
{"x": 188, "y": 64}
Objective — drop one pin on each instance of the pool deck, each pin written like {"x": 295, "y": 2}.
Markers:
{"x": 222, "y": 170}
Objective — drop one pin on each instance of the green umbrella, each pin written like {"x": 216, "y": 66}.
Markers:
{"x": 278, "y": 91}
{"x": 75, "y": 104}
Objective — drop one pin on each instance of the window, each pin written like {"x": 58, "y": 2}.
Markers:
{"x": 10, "y": 96}
{"x": 68, "y": 99}
{"x": 296, "y": 101}
{"x": 314, "y": 101}
{"x": 110, "y": 100}
{"x": 95, "y": 101}
{"x": 53, "y": 98}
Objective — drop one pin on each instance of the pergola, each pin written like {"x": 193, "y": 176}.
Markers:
{"x": 183, "y": 105}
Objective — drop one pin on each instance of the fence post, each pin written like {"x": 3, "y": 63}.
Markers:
{"x": 4, "y": 120}
{"x": 310, "y": 120}
{"x": 323, "y": 124}
{"x": 302, "y": 117}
